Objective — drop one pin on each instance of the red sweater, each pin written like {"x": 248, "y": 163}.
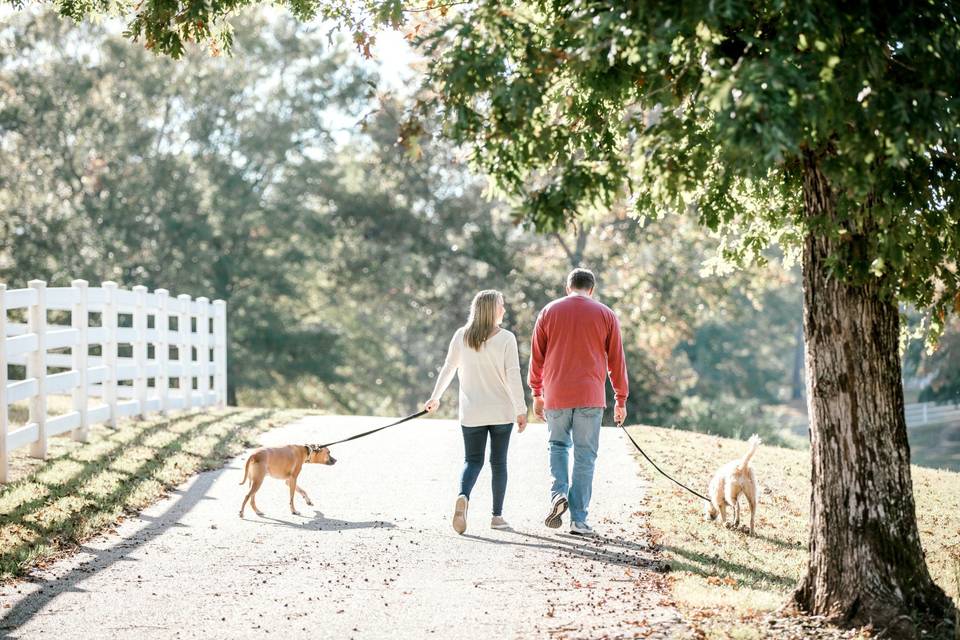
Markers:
{"x": 576, "y": 344}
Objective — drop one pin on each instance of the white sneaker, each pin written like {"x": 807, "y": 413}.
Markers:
{"x": 581, "y": 529}
{"x": 558, "y": 508}
{"x": 460, "y": 514}
{"x": 497, "y": 522}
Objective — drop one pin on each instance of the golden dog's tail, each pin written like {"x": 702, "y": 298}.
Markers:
{"x": 754, "y": 442}
{"x": 246, "y": 468}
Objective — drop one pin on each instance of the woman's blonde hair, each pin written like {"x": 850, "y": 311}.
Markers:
{"x": 483, "y": 318}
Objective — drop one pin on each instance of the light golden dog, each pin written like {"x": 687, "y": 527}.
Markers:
{"x": 729, "y": 482}
{"x": 283, "y": 463}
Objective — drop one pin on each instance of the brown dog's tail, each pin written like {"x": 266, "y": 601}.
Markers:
{"x": 246, "y": 468}
{"x": 754, "y": 442}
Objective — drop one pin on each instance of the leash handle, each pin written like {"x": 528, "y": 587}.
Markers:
{"x": 662, "y": 472}
{"x": 367, "y": 433}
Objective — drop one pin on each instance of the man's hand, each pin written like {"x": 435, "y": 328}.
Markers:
{"x": 431, "y": 405}
{"x": 538, "y": 408}
{"x": 619, "y": 414}
{"x": 521, "y": 422}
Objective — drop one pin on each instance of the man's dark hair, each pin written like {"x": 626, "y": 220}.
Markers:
{"x": 581, "y": 280}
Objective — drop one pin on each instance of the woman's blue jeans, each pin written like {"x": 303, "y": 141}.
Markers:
{"x": 474, "y": 445}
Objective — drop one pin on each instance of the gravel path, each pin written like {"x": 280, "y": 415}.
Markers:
{"x": 374, "y": 558}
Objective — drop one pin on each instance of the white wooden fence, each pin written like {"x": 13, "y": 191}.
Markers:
{"x": 121, "y": 385}
{"x": 922, "y": 413}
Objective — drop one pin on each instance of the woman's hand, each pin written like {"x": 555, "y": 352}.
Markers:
{"x": 521, "y": 422}
{"x": 431, "y": 405}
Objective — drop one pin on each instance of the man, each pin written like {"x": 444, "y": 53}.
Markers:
{"x": 576, "y": 344}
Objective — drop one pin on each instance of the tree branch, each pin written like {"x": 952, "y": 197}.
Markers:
{"x": 437, "y": 6}
{"x": 564, "y": 246}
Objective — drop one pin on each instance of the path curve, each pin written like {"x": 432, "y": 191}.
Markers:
{"x": 374, "y": 558}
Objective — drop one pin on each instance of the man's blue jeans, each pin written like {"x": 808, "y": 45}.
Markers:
{"x": 579, "y": 427}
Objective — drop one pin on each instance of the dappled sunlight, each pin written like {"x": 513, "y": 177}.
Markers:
{"x": 84, "y": 487}
{"x": 160, "y": 439}
{"x": 52, "y": 516}
{"x": 21, "y": 494}
{"x": 714, "y": 566}
{"x": 60, "y": 472}
{"x": 102, "y": 484}
{"x": 14, "y": 536}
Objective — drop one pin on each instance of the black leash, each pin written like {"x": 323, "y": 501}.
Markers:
{"x": 662, "y": 472}
{"x": 424, "y": 412}
{"x": 367, "y": 433}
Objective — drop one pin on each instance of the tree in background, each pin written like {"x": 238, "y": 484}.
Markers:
{"x": 363, "y": 250}
{"x": 943, "y": 365}
{"x": 118, "y": 164}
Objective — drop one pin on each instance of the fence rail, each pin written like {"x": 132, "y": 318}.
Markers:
{"x": 185, "y": 348}
{"x": 922, "y": 413}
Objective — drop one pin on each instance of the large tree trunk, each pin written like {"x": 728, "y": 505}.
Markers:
{"x": 866, "y": 565}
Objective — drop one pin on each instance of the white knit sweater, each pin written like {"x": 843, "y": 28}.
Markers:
{"x": 491, "y": 390}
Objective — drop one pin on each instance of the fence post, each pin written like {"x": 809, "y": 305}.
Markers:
{"x": 140, "y": 348}
{"x": 162, "y": 347}
{"x": 109, "y": 323}
{"x": 79, "y": 318}
{"x": 220, "y": 351}
{"x": 4, "y": 426}
{"x": 183, "y": 349}
{"x": 924, "y": 405}
{"x": 37, "y": 368}
{"x": 203, "y": 350}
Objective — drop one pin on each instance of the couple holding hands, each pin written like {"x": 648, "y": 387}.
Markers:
{"x": 576, "y": 344}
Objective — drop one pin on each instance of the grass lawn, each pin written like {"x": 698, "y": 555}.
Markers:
{"x": 82, "y": 489}
{"x": 936, "y": 445}
{"x": 724, "y": 580}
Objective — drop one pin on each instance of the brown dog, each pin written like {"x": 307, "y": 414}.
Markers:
{"x": 284, "y": 463}
{"x": 730, "y": 481}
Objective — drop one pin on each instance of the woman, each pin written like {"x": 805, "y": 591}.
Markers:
{"x": 491, "y": 398}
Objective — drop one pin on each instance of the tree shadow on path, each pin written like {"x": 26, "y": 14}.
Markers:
{"x": 28, "y": 607}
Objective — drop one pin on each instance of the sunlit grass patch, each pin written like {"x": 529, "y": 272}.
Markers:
{"x": 60, "y": 471}
{"x": 103, "y": 484}
{"x": 53, "y": 515}
{"x": 724, "y": 580}
{"x": 82, "y": 489}
{"x": 21, "y": 494}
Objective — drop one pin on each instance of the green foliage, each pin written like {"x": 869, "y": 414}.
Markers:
{"x": 728, "y": 417}
{"x": 708, "y": 107}
{"x": 347, "y": 260}
{"x": 944, "y": 365}
{"x": 746, "y": 350}
{"x": 197, "y": 176}
{"x": 713, "y": 107}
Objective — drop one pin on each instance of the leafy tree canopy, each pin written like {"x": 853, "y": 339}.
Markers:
{"x": 703, "y": 106}
{"x": 715, "y": 107}
{"x": 265, "y": 205}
